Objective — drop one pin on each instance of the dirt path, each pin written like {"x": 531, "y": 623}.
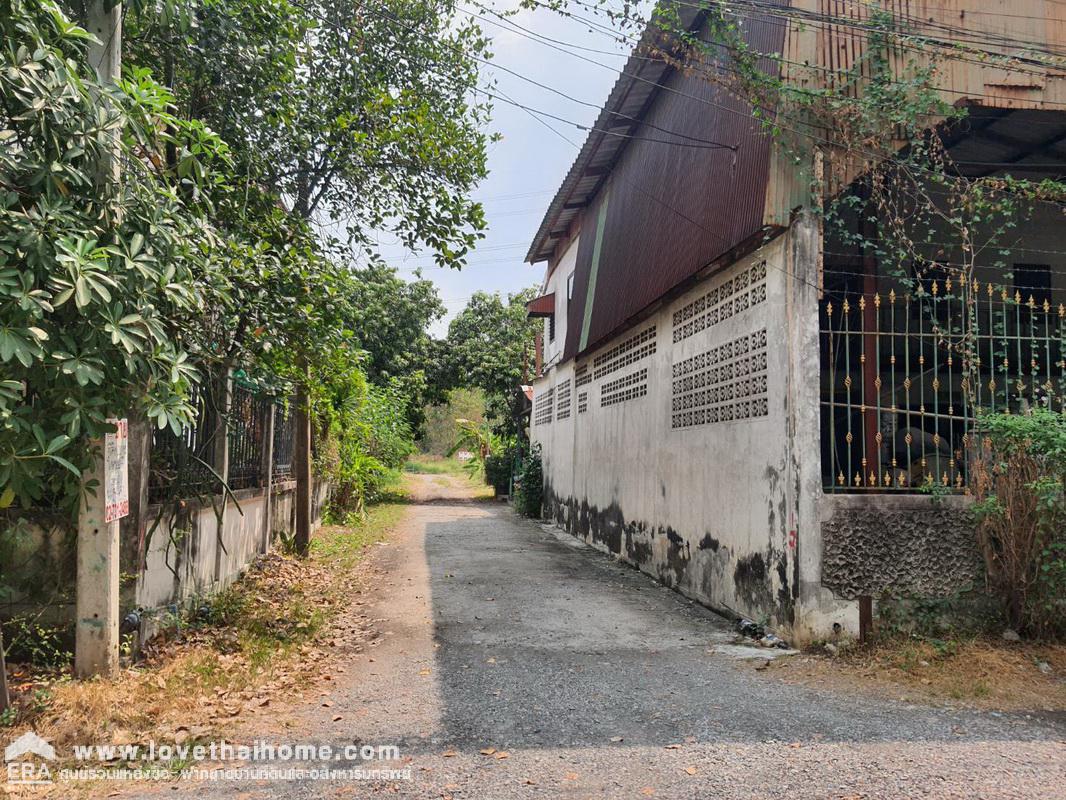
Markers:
{"x": 504, "y": 660}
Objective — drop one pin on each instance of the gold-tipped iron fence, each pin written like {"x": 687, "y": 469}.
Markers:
{"x": 907, "y": 373}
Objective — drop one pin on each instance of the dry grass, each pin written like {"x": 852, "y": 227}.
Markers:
{"x": 978, "y": 673}
{"x": 259, "y": 638}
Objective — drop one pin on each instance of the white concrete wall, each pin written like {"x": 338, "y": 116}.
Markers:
{"x": 188, "y": 557}
{"x": 717, "y": 509}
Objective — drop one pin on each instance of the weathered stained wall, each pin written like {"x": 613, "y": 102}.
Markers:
{"x": 902, "y": 544}
{"x": 690, "y": 447}
{"x": 192, "y": 555}
{"x": 676, "y": 447}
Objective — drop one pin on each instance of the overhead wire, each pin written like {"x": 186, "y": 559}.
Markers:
{"x": 682, "y": 214}
{"x": 537, "y": 114}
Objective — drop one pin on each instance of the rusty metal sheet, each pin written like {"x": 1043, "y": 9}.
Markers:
{"x": 674, "y": 210}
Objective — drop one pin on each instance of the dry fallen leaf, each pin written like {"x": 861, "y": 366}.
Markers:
{"x": 449, "y": 754}
{"x": 423, "y": 672}
{"x": 690, "y": 770}
{"x": 488, "y": 751}
{"x": 503, "y": 754}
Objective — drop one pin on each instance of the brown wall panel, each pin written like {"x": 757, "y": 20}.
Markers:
{"x": 675, "y": 209}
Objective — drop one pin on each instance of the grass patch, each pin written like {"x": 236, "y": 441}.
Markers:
{"x": 422, "y": 464}
{"x": 223, "y": 660}
{"x": 447, "y": 474}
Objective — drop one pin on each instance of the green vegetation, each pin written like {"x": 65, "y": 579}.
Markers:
{"x": 434, "y": 465}
{"x": 490, "y": 347}
{"x": 119, "y": 298}
{"x": 1021, "y": 507}
{"x": 441, "y": 427}
{"x": 529, "y": 484}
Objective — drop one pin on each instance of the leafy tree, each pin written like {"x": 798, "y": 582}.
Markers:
{"x": 352, "y": 115}
{"x": 359, "y": 113}
{"x": 489, "y": 343}
{"x": 94, "y": 279}
{"x": 276, "y": 116}
{"x": 391, "y": 319}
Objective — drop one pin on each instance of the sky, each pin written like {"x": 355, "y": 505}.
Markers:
{"x": 529, "y": 162}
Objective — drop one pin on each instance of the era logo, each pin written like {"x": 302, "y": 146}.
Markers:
{"x": 29, "y": 744}
{"x": 27, "y": 772}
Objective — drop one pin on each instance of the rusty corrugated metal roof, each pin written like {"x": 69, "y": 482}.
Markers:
{"x": 543, "y": 306}
{"x": 671, "y": 211}
{"x": 630, "y": 98}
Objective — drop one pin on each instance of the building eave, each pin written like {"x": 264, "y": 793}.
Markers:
{"x": 630, "y": 99}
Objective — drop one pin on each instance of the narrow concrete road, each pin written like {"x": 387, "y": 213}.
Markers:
{"x": 498, "y": 636}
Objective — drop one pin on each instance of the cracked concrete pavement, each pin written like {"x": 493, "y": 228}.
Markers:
{"x": 497, "y": 634}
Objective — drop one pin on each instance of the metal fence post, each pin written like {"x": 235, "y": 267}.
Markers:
{"x": 268, "y": 472}
{"x": 220, "y": 444}
{"x": 302, "y": 464}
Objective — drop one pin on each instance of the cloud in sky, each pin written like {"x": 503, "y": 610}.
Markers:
{"x": 529, "y": 162}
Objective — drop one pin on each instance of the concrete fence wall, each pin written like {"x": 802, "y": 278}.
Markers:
{"x": 168, "y": 555}
{"x": 191, "y": 554}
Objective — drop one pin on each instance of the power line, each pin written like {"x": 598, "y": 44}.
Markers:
{"x": 533, "y": 111}
{"x": 816, "y": 135}
{"x": 918, "y": 42}
{"x": 392, "y": 18}
{"x": 518, "y": 196}
{"x": 781, "y": 16}
{"x": 498, "y": 96}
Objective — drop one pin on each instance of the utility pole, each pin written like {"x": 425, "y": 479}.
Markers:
{"x": 103, "y": 19}
{"x": 96, "y": 642}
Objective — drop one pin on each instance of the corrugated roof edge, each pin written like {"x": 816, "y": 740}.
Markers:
{"x": 688, "y": 14}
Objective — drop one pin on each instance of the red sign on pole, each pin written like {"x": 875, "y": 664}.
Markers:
{"x": 116, "y": 471}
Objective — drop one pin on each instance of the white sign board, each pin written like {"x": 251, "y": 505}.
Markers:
{"x": 116, "y": 471}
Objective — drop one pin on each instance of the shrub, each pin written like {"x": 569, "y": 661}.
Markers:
{"x": 1019, "y": 480}
{"x": 363, "y": 436}
{"x": 529, "y": 484}
{"x": 498, "y": 471}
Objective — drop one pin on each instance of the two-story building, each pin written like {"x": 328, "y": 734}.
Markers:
{"x": 743, "y": 405}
